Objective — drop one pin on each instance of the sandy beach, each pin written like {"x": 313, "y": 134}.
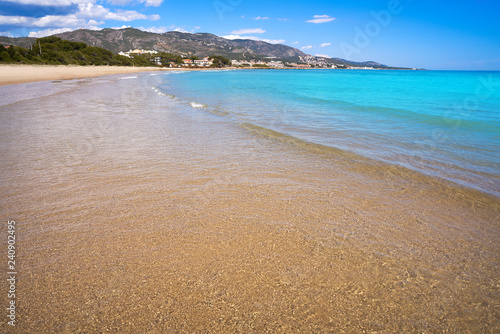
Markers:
{"x": 139, "y": 213}
{"x": 15, "y": 74}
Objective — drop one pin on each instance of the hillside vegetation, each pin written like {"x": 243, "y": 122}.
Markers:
{"x": 56, "y": 51}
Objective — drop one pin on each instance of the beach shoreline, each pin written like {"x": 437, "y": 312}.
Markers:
{"x": 16, "y": 74}
{"x": 137, "y": 211}
{"x": 11, "y": 74}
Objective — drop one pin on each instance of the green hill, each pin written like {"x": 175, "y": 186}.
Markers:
{"x": 56, "y": 51}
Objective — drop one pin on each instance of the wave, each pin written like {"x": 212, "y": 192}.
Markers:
{"x": 193, "y": 104}
{"x": 197, "y": 105}
{"x": 159, "y": 92}
{"x": 175, "y": 72}
{"x": 433, "y": 173}
{"x": 131, "y": 77}
{"x": 302, "y": 143}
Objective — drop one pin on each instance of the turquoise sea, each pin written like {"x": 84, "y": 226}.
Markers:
{"x": 443, "y": 124}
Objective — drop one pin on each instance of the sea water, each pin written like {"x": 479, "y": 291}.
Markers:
{"x": 254, "y": 201}
{"x": 444, "y": 124}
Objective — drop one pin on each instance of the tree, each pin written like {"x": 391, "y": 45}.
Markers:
{"x": 55, "y": 50}
{"x": 260, "y": 65}
{"x": 4, "y": 56}
{"x": 219, "y": 61}
{"x": 169, "y": 57}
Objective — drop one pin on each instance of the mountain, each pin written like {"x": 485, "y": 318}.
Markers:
{"x": 19, "y": 41}
{"x": 359, "y": 63}
{"x": 186, "y": 44}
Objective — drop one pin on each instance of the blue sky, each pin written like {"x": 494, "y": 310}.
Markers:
{"x": 412, "y": 33}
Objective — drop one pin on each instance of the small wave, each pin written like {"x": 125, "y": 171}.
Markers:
{"x": 133, "y": 77}
{"x": 159, "y": 92}
{"x": 284, "y": 137}
{"x": 197, "y": 105}
{"x": 175, "y": 72}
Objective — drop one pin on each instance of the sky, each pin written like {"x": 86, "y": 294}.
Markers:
{"x": 439, "y": 35}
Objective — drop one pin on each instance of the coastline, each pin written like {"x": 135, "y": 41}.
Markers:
{"x": 11, "y": 74}
{"x": 16, "y": 74}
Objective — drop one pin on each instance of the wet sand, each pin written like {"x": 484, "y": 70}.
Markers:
{"x": 135, "y": 216}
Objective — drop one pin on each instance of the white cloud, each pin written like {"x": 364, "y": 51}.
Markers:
{"x": 15, "y": 20}
{"x": 90, "y": 10}
{"x": 322, "y": 56}
{"x": 48, "y": 32}
{"x": 173, "y": 27}
{"x": 325, "y": 44}
{"x": 59, "y": 21}
{"x": 274, "y": 41}
{"x": 235, "y": 37}
{"x": 296, "y": 42}
{"x": 124, "y": 27}
{"x": 130, "y": 15}
{"x": 321, "y": 19}
{"x": 87, "y": 11}
{"x": 306, "y": 47}
{"x": 88, "y": 15}
{"x": 154, "y": 3}
{"x": 120, "y": 2}
{"x": 283, "y": 19}
{"x": 254, "y": 38}
{"x": 261, "y": 18}
{"x": 57, "y": 3}
{"x": 248, "y": 31}
{"x": 156, "y": 30}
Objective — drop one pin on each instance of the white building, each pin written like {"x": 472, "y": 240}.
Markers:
{"x": 130, "y": 53}
{"x": 203, "y": 62}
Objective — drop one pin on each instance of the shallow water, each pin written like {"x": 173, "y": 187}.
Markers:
{"x": 442, "y": 124}
{"x": 140, "y": 212}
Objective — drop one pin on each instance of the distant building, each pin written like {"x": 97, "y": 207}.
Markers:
{"x": 156, "y": 60}
{"x": 240, "y": 63}
{"x": 187, "y": 62}
{"x": 130, "y": 53}
{"x": 203, "y": 62}
{"x": 276, "y": 64}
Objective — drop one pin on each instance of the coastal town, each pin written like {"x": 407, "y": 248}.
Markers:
{"x": 305, "y": 62}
